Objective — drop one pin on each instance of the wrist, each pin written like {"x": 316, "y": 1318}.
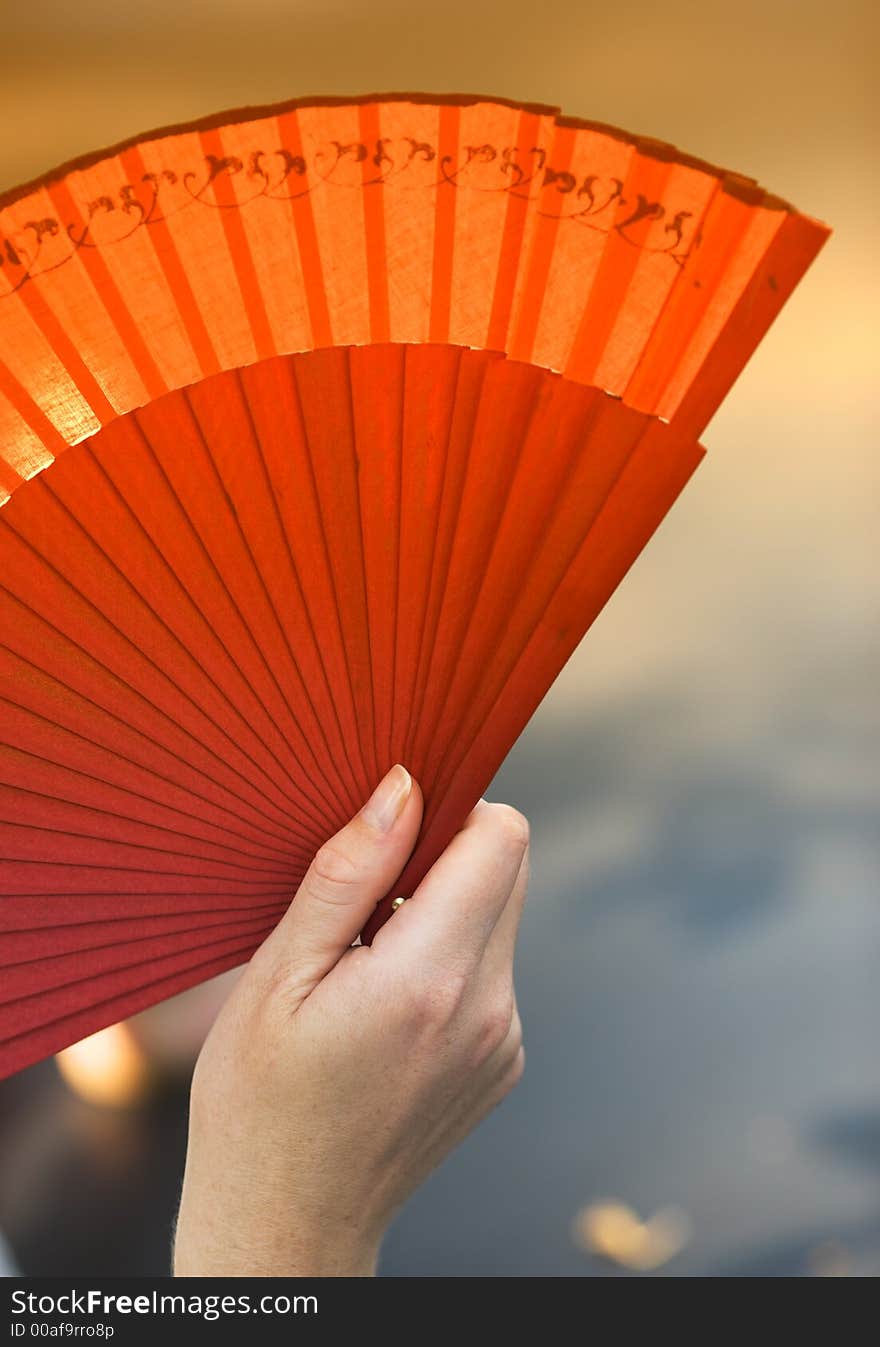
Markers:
{"x": 305, "y": 1261}
{"x": 203, "y": 1248}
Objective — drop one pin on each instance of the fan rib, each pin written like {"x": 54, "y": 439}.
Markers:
{"x": 432, "y": 387}
{"x": 193, "y": 744}
{"x": 13, "y": 866}
{"x": 269, "y": 630}
{"x": 794, "y": 246}
{"x": 85, "y": 788}
{"x": 108, "y": 296}
{"x": 362, "y": 644}
{"x": 510, "y": 397}
{"x": 38, "y": 911}
{"x": 722, "y": 227}
{"x": 216, "y": 524}
{"x": 512, "y": 242}
{"x": 307, "y": 240}
{"x": 377, "y": 375}
{"x": 35, "y": 737}
{"x": 179, "y": 764}
{"x": 46, "y": 978}
{"x": 595, "y": 478}
{"x": 66, "y": 1029}
{"x": 533, "y": 456}
{"x": 645, "y": 182}
{"x": 179, "y": 288}
{"x": 121, "y": 639}
{"x": 26, "y": 945}
{"x": 313, "y": 546}
{"x": 95, "y": 820}
{"x": 652, "y": 479}
{"x": 27, "y": 1013}
{"x": 374, "y": 227}
{"x": 24, "y": 838}
{"x": 253, "y": 514}
{"x": 533, "y": 282}
{"x": 470, "y": 394}
{"x": 34, "y": 418}
{"x": 326, "y": 409}
{"x": 63, "y": 348}
{"x": 444, "y": 228}
{"x": 327, "y": 714}
{"x": 239, "y": 252}
{"x": 205, "y": 575}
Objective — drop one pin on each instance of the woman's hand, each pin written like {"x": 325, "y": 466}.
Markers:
{"x": 335, "y": 1079}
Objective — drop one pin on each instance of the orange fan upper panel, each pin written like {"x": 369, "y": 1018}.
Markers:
{"x": 404, "y": 218}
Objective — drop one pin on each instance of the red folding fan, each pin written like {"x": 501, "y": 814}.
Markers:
{"x": 326, "y": 430}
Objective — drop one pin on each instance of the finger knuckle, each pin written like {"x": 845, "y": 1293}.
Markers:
{"x": 512, "y": 825}
{"x": 333, "y": 871}
{"x": 517, "y": 1068}
{"x": 441, "y": 997}
{"x": 495, "y": 1024}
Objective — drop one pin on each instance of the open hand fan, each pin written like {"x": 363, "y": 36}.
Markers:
{"x": 326, "y": 430}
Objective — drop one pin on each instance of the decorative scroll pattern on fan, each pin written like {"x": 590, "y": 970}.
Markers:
{"x": 577, "y": 248}
{"x": 592, "y": 200}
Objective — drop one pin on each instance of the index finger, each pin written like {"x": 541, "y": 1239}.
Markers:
{"x": 454, "y": 911}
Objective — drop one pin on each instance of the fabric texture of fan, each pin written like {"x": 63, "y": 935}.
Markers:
{"x": 326, "y": 430}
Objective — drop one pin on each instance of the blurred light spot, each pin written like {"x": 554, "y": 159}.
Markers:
{"x": 108, "y": 1068}
{"x": 614, "y": 1231}
{"x": 829, "y": 1259}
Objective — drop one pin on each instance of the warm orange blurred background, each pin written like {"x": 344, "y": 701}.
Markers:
{"x": 700, "y": 962}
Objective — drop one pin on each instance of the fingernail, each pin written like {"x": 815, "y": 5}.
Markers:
{"x": 386, "y": 803}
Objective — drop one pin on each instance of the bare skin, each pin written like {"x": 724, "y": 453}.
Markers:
{"x": 336, "y": 1079}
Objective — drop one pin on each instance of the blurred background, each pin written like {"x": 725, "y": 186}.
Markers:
{"x": 699, "y": 964}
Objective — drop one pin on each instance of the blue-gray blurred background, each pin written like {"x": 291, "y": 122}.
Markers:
{"x": 698, "y": 973}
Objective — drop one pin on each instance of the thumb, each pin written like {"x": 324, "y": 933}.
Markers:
{"x": 350, "y": 874}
